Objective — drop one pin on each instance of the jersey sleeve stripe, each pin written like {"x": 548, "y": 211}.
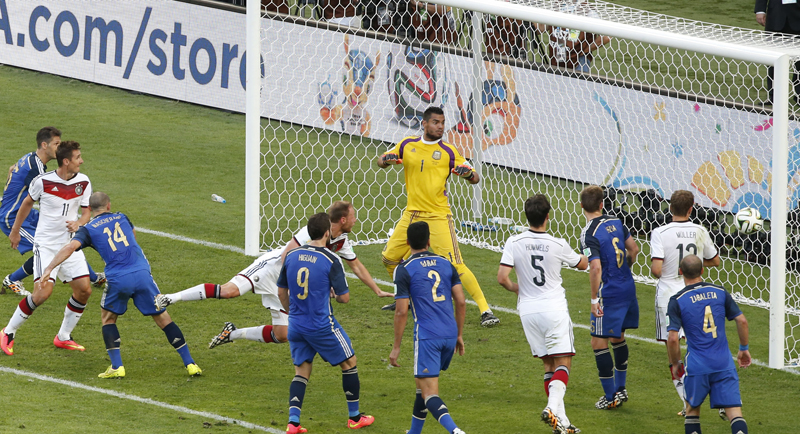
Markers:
{"x": 404, "y": 143}
{"x": 450, "y": 153}
{"x": 506, "y": 265}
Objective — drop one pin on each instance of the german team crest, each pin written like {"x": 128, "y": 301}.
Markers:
{"x": 78, "y": 189}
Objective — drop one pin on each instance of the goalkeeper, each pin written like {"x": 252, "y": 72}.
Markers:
{"x": 428, "y": 162}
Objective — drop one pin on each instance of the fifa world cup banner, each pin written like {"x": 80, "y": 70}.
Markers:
{"x": 536, "y": 121}
{"x": 531, "y": 120}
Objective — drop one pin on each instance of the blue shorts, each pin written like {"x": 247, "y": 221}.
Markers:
{"x": 26, "y": 232}
{"x": 432, "y": 356}
{"x": 138, "y": 285}
{"x": 722, "y": 386}
{"x": 616, "y": 319}
{"x": 332, "y": 344}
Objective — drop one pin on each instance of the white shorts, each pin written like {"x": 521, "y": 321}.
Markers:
{"x": 262, "y": 278}
{"x": 73, "y": 268}
{"x": 662, "y": 321}
{"x": 549, "y": 333}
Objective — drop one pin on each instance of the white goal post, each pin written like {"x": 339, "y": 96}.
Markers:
{"x": 627, "y": 125}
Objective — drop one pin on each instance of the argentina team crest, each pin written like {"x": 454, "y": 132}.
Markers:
{"x": 437, "y": 155}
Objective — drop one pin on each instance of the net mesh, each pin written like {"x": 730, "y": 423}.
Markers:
{"x": 544, "y": 109}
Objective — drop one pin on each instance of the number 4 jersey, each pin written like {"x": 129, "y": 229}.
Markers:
{"x": 701, "y": 309}
{"x": 111, "y": 234}
{"x": 537, "y": 257}
{"x": 59, "y": 201}
{"x": 671, "y": 243}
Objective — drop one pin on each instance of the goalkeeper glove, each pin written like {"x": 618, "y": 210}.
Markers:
{"x": 464, "y": 171}
{"x": 389, "y": 158}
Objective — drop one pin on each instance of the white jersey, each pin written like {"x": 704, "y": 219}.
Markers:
{"x": 339, "y": 245}
{"x": 537, "y": 257}
{"x": 671, "y": 243}
{"x": 59, "y": 201}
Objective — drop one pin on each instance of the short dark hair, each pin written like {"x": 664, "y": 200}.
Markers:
{"x": 681, "y": 202}
{"x": 98, "y": 200}
{"x": 418, "y": 235}
{"x": 536, "y": 209}
{"x": 691, "y": 266}
{"x": 592, "y": 198}
{"x": 65, "y": 151}
{"x": 338, "y": 210}
{"x": 46, "y": 134}
{"x": 318, "y": 224}
{"x": 430, "y": 111}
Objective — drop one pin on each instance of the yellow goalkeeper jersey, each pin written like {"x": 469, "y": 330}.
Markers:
{"x": 427, "y": 167}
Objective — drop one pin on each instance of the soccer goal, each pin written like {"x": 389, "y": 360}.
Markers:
{"x": 542, "y": 96}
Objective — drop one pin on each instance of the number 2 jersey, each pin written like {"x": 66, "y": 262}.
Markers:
{"x": 537, "y": 257}
{"x": 671, "y": 243}
{"x": 604, "y": 238}
{"x": 59, "y": 201}
{"x": 427, "y": 279}
{"x": 111, "y": 234}
{"x": 701, "y": 309}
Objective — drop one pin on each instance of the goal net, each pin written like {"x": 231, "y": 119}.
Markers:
{"x": 542, "y": 96}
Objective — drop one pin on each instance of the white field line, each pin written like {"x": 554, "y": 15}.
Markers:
{"x": 138, "y": 399}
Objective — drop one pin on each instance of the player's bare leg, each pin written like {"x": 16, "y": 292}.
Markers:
{"x": 200, "y": 292}
{"x": 81, "y": 291}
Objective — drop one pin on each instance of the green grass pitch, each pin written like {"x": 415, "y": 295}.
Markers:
{"x": 160, "y": 161}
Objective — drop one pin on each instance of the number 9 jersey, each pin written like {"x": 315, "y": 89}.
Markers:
{"x": 111, "y": 234}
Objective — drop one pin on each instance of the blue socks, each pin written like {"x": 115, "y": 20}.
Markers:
{"x": 418, "y": 415}
{"x": 738, "y": 425}
{"x": 351, "y": 387}
{"x": 175, "y": 337}
{"x": 620, "y": 363}
{"x": 692, "y": 425}
{"x": 605, "y": 369}
{"x": 112, "y": 340}
{"x": 297, "y": 391}
{"x": 24, "y": 271}
{"x": 439, "y": 411}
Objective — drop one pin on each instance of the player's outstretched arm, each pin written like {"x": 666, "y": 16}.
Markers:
{"x": 363, "y": 275}
{"x": 400, "y": 319}
{"x": 60, "y": 257}
{"x": 461, "y": 313}
{"x": 504, "y": 279}
{"x": 743, "y": 357}
{"x": 387, "y": 159}
{"x": 22, "y": 214}
{"x": 289, "y": 247}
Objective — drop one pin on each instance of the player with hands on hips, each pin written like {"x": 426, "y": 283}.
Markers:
{"x": 430, "y": 284}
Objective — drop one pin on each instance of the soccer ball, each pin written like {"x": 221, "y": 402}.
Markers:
{"x": 748, "y": 220}
{"x": 412, "y": 84}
